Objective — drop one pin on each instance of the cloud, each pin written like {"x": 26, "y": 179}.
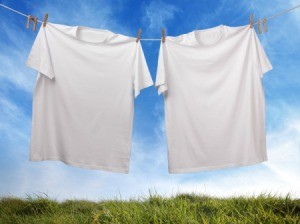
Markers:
{"x": 284, "y": 145}
{"x": 157, "y": 13}
{"x": 220, "y": 13}
{"x": 279, "y": 175}
{"x": 14, "y": 124}
{"x": 296, "y": 13}
{"x": 14, "y": 133}
{"x": 13, "y": 56}
{"x": 92, "y": 13}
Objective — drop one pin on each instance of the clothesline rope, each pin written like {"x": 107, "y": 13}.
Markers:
{"x": 4, "y": 6}
{"x": 159, "y": 39}
{"x": 280, "y": 13}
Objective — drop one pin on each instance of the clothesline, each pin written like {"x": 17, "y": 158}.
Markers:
{"x": 159, "y": 39}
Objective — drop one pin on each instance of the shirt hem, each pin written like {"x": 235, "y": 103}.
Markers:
{"x": 80, "y": 165}
{"x": 148, "y": 84}
{"x": 161, "y": 88}
{"x": 214, "y": 167}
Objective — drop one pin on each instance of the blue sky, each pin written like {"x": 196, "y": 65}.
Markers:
{"x": 148, "y": 165}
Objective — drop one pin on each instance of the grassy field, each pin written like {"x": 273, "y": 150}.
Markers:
{"x": 153, "y": 209}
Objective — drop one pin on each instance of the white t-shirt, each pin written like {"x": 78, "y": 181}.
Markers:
{"x": 214, "y": 98}
{"x": 83, "y": 100}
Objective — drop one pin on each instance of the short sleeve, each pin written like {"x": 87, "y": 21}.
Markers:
{"x": 142, "y": 77}
{"x": 160, "y": 82}
{"x": 39, "y": 56}
{"x": 260, "y": 54}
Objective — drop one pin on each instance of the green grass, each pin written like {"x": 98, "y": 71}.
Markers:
{"x": 182, "y": 208}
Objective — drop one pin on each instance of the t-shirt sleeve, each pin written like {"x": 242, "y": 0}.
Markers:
{"x": 161, "y": 82}
{"x": 142, "y": 77}
{"x": 39, "y": 56}
{"x": 261, "y": 56}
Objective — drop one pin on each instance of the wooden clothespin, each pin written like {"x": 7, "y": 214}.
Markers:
{"x": 251, "y": 20}
{"x": 163, "y": 32}
{"x": 139, "y": 35}
{"x": 34, "y": 19}
{"x": 34, "y": 23}
{"x": 265, "y": 25}
{"x": 258, "y": 26}
{"x": 45, "y": 20}
{"x": 28, "y": 21}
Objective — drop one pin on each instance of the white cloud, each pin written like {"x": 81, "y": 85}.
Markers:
{"x": 92, "y": 13}
{"x": 221, "y": 11}
{"x": 13, "y": 123}
{"x": 296, "y": 13}
{"x": 13, "y": 57}
{"x": 285, "y": 146}
{"x": 157, "y": 13}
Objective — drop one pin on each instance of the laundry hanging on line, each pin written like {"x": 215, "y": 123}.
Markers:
{"x": 88, "y": 78}
{"x": 83, "y": 99}
{"x": 175, "y": 167}
{"x": 214, "y": 99}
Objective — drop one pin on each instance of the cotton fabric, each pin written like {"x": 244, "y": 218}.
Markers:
{"x": 84, "y": 96}
{"x": 211, "y": 81}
